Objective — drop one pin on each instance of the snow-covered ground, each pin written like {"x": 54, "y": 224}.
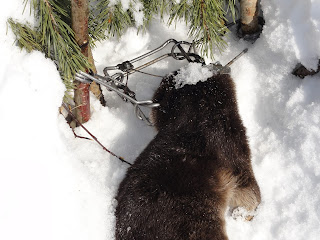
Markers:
{"x": 53, "y": 186}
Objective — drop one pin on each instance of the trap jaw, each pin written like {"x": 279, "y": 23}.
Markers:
{"x": 127, "y": 68}
{"x": 116, "y": 83}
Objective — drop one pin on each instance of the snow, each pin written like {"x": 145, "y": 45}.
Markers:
{"x": 55, "y": 186}
{"x": 138, "y": 13}
{"x": 191, "y": 74}
{"x": 299, "y": 21}
{"x": 125, "y": 3}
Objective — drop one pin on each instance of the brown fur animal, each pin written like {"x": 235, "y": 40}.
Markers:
{"x": 198, "y": 164}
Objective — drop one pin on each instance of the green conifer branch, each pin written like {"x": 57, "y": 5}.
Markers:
{"x": 155, "y": 7}
{"x": 29, "y": 39}
{"x": 53, "y": 36}
{"x": 232, "y": 8}
{"x": 108, "y": 20}
{"x": 206, "y": 20}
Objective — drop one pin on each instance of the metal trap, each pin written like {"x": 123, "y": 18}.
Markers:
{"x": 181, "y": 50}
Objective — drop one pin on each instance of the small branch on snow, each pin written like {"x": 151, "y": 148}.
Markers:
{"x": 77, "y": 136}
{"x": 93, "y": 137}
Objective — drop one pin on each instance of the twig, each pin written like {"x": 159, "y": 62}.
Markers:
{"x": 236, "y": 57}
{"x": 93, "y": 137}
{"x": 77, "y": 136}
{"x": 203, "y": 20}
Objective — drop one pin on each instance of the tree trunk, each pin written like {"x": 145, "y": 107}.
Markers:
{"x": 249, "y": 16}
{"x": 95, "y": 88}
{"x": 79, "y": 23}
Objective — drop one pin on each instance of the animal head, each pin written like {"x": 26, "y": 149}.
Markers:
{"x": 192, "y": 105}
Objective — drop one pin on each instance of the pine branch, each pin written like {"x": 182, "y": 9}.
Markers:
{"x": 206, "y": 19}
{"x": 26, "y": 37}
{"x": 232, "y": 8}
{"x": 154, "y": 7}
{"x": 53, "y": 36}
{"x": 108, "y": 20}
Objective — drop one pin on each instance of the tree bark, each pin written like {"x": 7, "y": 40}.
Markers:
{"x": 249, "y": 16}
{"x": 95, "y": 88}
{"x": 79, "y": 23}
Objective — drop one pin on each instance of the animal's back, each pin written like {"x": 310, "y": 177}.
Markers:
{"x": 170, "y": 194}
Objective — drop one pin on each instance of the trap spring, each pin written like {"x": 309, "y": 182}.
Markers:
{"x": 116, "y": 83}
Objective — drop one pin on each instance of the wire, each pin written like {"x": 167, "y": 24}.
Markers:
{"x": 153, "y": 75}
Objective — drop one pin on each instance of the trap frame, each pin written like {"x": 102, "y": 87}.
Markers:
{"x": 116, "y": 83}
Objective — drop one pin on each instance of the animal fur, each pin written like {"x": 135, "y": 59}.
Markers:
{"x": 198, "y": 164}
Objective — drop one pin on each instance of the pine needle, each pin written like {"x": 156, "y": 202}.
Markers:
{"x": 53, "y": 36}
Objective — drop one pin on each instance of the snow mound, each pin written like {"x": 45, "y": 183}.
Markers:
{"x": 191, "y": 74}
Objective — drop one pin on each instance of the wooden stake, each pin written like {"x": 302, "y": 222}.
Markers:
{"x": 249, "y": 16}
